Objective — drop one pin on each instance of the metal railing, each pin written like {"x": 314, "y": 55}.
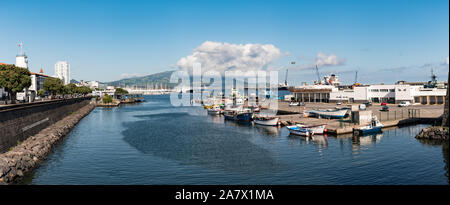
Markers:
{"x": 384, "y": 116}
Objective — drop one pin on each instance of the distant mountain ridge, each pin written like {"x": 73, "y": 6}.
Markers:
{"x": 150, "y": 81}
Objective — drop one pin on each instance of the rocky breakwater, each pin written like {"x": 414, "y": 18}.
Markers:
{"x": 434, "y": 133}
{"x": 22, "y": 158}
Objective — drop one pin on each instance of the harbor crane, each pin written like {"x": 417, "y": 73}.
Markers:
{"x": 318, "y": 75}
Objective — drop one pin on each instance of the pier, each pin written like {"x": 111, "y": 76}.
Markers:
{"x": 396, "y": 116}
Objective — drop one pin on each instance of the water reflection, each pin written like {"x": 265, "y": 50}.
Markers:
{"x": 267, "y": 130}
{"x": 199, "y": 142}
{"x": 366, "y": 140}
{"x": 320, "y": 141}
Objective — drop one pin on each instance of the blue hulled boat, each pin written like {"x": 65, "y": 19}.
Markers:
{"x": 244, "y": 116}
{"x": 375, "y": 126}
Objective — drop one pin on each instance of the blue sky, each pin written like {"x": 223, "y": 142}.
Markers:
{"x": 104, "y": 40}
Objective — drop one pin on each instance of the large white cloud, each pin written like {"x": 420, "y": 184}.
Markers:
{"x": 225, "y": 56}
{"x": 328, "y": 60}
{"x": 322, "y": 60}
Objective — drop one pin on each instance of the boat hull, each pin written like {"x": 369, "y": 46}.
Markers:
{"x": 294, "y": 130}
{"x": 269, "y": 122}
{"x": 228, "y": 117}
{"x": 337, "y": 114}
{"x": 247, "y": 117}
{"x": 318, "y": 129}
{"x": 372, "y": 130}
{"x": 214, "y": 112}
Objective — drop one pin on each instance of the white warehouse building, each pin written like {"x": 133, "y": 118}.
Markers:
{"x": 371, "y": 93}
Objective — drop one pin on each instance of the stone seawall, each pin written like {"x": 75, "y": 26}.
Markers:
{"x": 20, "y": 121}
{"x": 15, "y": 163}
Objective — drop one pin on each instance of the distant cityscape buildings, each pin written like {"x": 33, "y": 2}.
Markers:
{"x": 62, "y": 71}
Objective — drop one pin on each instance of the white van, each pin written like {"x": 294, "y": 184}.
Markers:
{"x": 362, "y": 107}
{"x": 404, "y": 104}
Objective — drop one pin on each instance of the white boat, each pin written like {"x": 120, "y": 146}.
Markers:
{"x": 214, "y": 111}
{"x": 375, "y": 126}
{"x": 317, "y": 129}
{"x": 301, "y": 131}
{"x": 268, "y": 121}
{"x": 329, "y": 113}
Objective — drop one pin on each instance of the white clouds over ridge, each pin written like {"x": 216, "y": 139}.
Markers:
{"x": 225, "y": 56}
{"x": 247, "y": 57}
{"x": 330, "y": 60}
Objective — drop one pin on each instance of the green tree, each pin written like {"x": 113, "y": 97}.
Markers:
{"x": 53, "y": 86}
{"x": 14, "y": 79}
{"x": 41, "y": 93}
{"x": 120, "y": 91}
{"x": 84, "y": 90}
{"x": 70, "y": 89}
{"x": 107, "y": 99}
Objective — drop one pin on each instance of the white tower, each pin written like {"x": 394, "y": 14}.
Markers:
{"x": 21, "y": 58}
{"x": 62, "y": 71}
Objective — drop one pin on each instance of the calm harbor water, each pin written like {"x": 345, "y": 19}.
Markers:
{"x": 155, "y": 143}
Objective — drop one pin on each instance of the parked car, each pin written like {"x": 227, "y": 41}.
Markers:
{"x": 339, "y": 103}
{"x": 368, "y": 104}
{"x": 404, "y": 104}
{"x": 362, "y": 107}
{"x": 383, "y": 104}
{"x": 385, "y": 108}
{"x": 301, "y": 104}
{"x": 293, "y": 103}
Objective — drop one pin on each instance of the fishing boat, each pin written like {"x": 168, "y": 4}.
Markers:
{"x": 244, "y": 115}
{"x": 301, "y": 131}
{"x": 375, "y": 126}
{"x": 265, "y": 120}
{"x": 329, "y": 113}
{"x": 238, "y": 114}
{"x": 214, "y": 110}
{"x": 317, "y": 129}
{"x": 229, "y": 114}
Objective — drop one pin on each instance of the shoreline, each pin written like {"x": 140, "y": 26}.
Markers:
{"x": 24, "y": 157}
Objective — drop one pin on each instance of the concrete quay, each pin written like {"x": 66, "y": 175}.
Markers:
{"x": 397, "y": 116}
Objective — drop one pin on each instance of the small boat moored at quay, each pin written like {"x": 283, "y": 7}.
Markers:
{"x": 214, "y": 111}
{"x": 375, "y": 126}
{"x": 301, "y": 131}
{"x": 317, "y": 129}
{"x": 265, "y": 120}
